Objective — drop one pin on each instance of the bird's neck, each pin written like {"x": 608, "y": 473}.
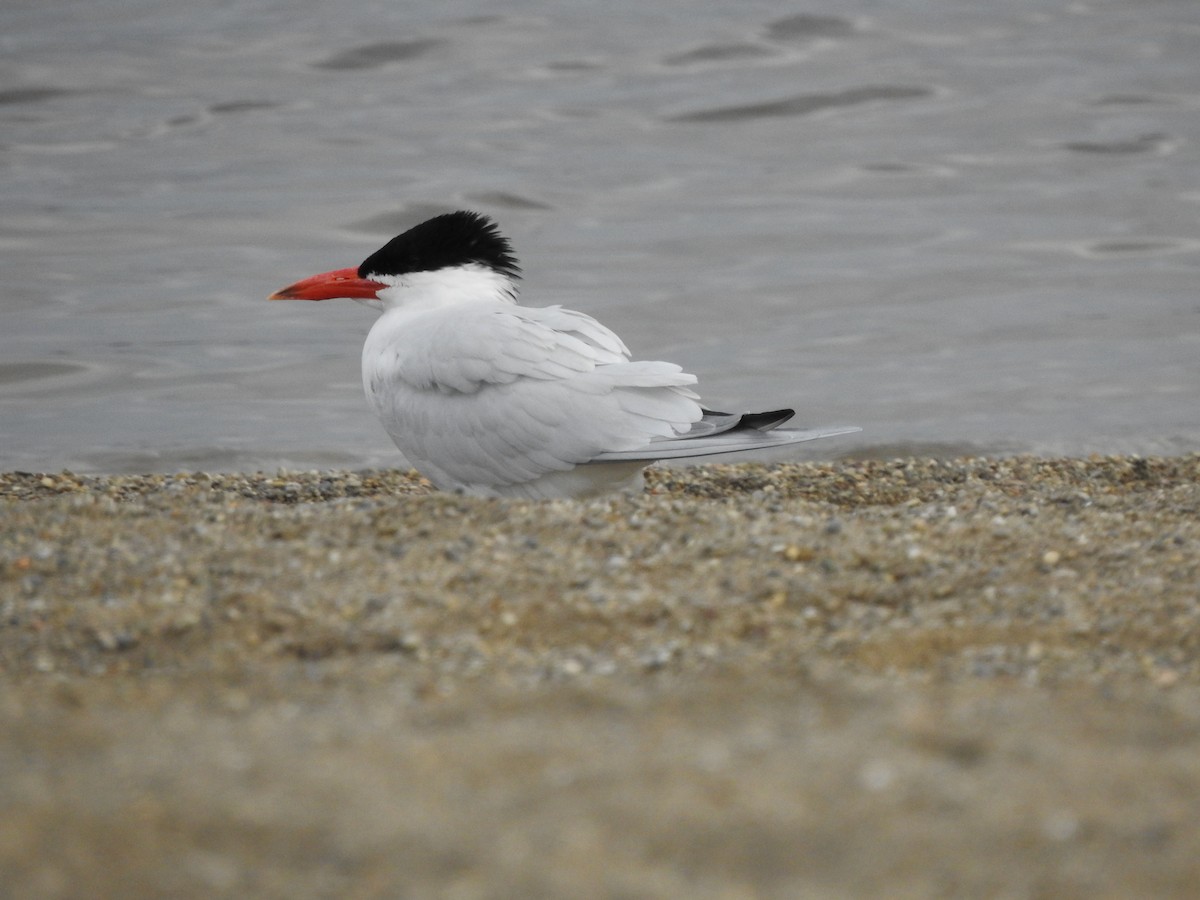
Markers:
{"x": 448, "y": 287}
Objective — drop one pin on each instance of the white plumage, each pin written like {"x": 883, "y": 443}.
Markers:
{"x": 490, "y": 398}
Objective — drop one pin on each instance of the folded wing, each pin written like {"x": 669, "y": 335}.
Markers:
{"x": 726, "y": 433}
{"x": 498, "y": 395}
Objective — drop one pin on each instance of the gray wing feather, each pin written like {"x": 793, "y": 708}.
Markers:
{"x": 733, "y": 441}
{"x": 505, "y": 395}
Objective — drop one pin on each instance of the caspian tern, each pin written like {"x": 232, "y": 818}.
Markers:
{"x": 486, "y": 397}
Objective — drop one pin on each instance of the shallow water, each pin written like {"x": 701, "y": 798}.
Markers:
{"x": 965, "y": 227}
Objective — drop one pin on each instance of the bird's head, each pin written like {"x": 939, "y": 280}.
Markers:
{"x": 450, "y": 258}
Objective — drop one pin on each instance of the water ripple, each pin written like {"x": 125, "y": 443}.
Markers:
{"x": 805, "y": 104}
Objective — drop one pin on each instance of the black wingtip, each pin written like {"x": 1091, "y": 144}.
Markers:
{"x": 767, "y": 421}
{"x": 760, "y": 421}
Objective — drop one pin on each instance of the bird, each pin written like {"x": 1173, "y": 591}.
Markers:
{"x": 486, "y": 397}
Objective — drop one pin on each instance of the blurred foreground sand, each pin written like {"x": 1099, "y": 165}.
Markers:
{"x": 900, "y": 678}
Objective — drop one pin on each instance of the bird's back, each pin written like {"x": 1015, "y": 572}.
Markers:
{"x": 496, "y": 399}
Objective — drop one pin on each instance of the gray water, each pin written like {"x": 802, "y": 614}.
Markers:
{"x": 966, "y": 227}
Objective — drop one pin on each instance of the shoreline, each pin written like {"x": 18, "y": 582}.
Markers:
{"x": 344, "y": 682}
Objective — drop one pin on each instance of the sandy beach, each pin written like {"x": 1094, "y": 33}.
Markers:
{"x": 902, "y": 678}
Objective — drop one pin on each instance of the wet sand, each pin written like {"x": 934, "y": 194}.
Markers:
{"x": 902, "y": 678}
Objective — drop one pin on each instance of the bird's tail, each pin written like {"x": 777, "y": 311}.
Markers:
{"x": 719, "y": 432}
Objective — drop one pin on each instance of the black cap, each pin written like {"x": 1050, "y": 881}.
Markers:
{"x": 454, "y": 239}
